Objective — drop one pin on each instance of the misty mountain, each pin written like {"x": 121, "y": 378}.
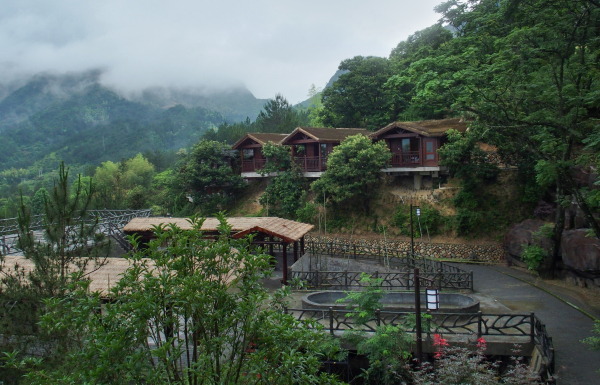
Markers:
{"x": 38, "y": 93}
{"x": 45, "y": 121}
{"x": 50, "y": 117}
{"x": 235, "y": 104}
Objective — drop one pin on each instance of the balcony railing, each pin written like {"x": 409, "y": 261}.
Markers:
{"x": 311, "y": 163}
{"x": 406, "y": 159}
{"x": 253, "y": 164}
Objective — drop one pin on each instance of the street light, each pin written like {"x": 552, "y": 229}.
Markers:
{"x": 432, "y": 299}
{"x": 412, "y": 241}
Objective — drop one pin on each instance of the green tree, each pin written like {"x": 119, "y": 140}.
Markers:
{"x": 528, "y": 72}
{"x": 37, "y": 203}
{"x": 71, "y": 250}
{"x": 353, "y": 171}
{"x": 357, "y": 98}
{"x": 279, "y": 116}
{"x": 420, "y": 45}
{"x": 315, "y": 106}
{"x": 286, "y": 192}
{"x": 207, "y": 177}
{"x": 594, "y": 341}
{"x": 389, "y": 348}
{"x": 190, "y": 310}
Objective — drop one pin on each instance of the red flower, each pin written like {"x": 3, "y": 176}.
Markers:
{"x": 441, "y": 343}
{"x": 481, "y": 343}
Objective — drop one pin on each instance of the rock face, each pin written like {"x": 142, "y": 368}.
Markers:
{"x": 521, "y": 234}
{"x": 580, "y": 252}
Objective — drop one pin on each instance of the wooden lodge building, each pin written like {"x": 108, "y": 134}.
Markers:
{"x": 312, "y": 145}
{"x": 413, "y": 145}
{"x": 251, "y": 156}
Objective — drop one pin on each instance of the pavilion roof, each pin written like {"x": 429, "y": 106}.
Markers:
{"x": 285, "y": 229}
{"x": 426, "y": 127}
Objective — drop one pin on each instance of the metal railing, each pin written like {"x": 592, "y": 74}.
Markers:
{"x": 110, "y": 223}
{"x": 402, "y": 280}
{"x": 477, "y": 325}
{"x": 379, "y": 253}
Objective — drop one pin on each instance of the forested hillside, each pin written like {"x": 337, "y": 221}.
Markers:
{"x": 525, "y": 75}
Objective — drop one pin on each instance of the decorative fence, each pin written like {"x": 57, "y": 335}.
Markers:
{"x": 478, "y": 325}
{"x": 110, "y": 223}
{"x": 444, "y": 275}
{"x": 348, "y": 280}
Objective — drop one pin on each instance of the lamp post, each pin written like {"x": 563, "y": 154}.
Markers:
{"x": 412, "y": 240}
{"x": 432, "y": 299}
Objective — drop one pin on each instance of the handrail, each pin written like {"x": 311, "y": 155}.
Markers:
{"x": 346, "y": 280}
{"x": 406, "y": 158}
{"x": 311, "y": 163}
{"x": 110, "y": 223}
{"x": 253, "y": 164}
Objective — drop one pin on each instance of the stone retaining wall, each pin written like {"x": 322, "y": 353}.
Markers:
{"x": 491, "y": 253}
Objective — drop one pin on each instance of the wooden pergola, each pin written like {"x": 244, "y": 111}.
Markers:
{"x": 268, "y": 231}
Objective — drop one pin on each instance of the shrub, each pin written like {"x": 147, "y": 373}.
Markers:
{"x": 533, "y": 256}
{"x": 308, "y": 213}
{"x": 431, "y": 220}
{"x": 456, "y": 365}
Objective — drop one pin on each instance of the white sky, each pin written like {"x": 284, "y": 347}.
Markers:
{"x": 270, "y": 46}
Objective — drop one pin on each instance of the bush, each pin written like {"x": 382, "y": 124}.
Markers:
{"x": 594, "y": 341}
{"x": 308, "y": 213}
{"x": 431, "y": 220}
{"x": 533, "y": 256}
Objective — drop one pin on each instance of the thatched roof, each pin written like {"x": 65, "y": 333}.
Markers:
{"x": 260, "y": 138}
{"x": 102, "y": 279}
{"x": 289, "y": 231}
{"x": 429, "y": 128}
{"x": 323, "y": 134}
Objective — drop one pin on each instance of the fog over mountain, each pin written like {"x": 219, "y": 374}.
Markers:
{"x": 265, "y": 46}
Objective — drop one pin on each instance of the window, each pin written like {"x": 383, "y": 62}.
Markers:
{"x": 406, "y": 145}
{"x": 429, "y": 153}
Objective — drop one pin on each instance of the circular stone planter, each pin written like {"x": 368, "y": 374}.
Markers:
{"x": 397, "y": 301}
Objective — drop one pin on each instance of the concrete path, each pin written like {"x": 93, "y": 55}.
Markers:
{"x": 575, "y": 363}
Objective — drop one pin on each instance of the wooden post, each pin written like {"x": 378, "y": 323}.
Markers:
{"x": 419, "y": 350}
{"x": 320, "y": 157}
{"x": 331, "y": 320}
{"x": 285, "y": 265}
{"x": 532, "y": 328}
{"x": 295, "y": 251}
{"x": 412, "y": 241}
{"x": 242, "y": 153}
{"x": 302, "y": 245}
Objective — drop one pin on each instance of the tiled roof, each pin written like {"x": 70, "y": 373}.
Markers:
{"x": 426, "y": 127}
{"x": 285, "y": 229}
{"x": 261, "y": 138}
{"x": 327, "y": 134}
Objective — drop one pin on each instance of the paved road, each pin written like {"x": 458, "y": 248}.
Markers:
{"x": 575, "y": 363}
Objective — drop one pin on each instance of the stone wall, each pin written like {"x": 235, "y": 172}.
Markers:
{"x": 489, "y": 253}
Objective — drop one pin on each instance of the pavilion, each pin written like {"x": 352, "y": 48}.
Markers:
{"x": 268, "y": 231}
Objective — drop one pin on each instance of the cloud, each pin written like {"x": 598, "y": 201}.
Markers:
{"x": 270, "y": 46}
